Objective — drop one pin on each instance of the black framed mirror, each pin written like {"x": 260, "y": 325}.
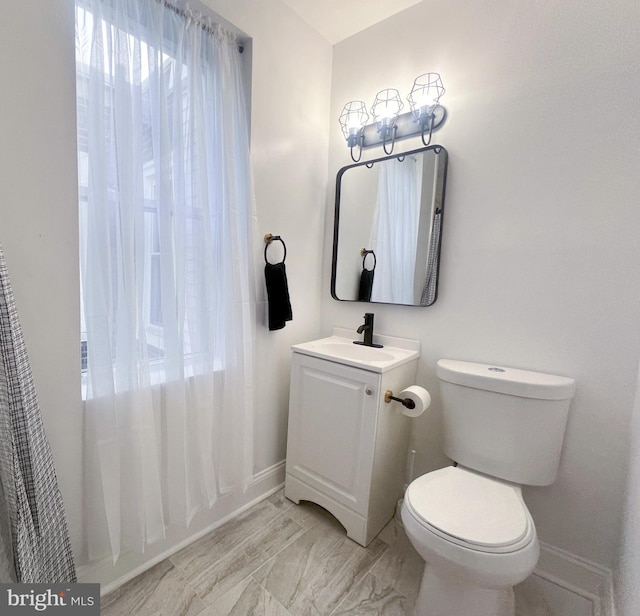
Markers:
{"x": 388, "y": 228}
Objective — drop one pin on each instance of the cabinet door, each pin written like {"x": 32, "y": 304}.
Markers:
{"x": 332, "y": 425}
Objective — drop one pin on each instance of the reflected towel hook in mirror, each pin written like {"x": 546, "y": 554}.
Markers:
{"x": 364, "y": 252}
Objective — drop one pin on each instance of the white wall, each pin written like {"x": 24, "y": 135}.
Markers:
{"x": 289, "y": 141}
{"x": 539, "y": 255}
{"x": 38, "y": 219}
{"x": 38, "y": 207}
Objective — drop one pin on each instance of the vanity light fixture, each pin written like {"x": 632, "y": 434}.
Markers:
{"x": 426, "y": 115}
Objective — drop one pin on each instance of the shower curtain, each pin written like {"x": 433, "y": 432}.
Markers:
{"x": 430, "y": 286}
{"x": 34, "y": 540}
{"x": 394, "y": 234}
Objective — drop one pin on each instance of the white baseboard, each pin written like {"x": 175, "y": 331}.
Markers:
{"x": 277, "y": 469}
{"x": 111, "y": 576}
{"x": 579, "y": 576}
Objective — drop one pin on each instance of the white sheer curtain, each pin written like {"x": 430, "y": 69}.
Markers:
{"x": 167, "y": 268}
{"x": 394, "y": 234}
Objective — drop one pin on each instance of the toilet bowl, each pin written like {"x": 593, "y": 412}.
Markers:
{"x": 504, "y": 428}
{"x": 477, "y": 538}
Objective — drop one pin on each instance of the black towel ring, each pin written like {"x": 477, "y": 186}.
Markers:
{"x": 364, "y": 252}
{"x": 268, "y": 238}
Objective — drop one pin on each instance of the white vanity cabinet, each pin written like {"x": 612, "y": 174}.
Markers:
{"x": 347, "y": 448}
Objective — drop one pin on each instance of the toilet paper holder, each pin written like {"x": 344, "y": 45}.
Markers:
{"x": 408, "y": 402}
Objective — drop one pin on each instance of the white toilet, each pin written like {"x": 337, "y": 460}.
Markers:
{"x": 503, "y": 428}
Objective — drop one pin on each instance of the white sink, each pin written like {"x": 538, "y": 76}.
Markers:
{"x": 341, "y": 349}
{"x": 347, "y": 349}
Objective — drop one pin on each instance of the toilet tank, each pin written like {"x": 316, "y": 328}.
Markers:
{"x": 504, "y": 422}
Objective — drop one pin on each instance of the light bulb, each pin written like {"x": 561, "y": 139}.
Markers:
{"x": 385, "y": 109}
{"x": 425, "y": 96}
{"x": 353, "y": 119}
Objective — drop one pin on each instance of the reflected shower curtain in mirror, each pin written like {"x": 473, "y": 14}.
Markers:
{"x": 430, "y": 286}
{"x": 167, "y": 268}
{"x": 34, "y": 540}
{"x": 395, "y": 230}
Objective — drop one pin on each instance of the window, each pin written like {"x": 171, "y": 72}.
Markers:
{"x": 166, "y": 269}
{"x": 156, "y": 125}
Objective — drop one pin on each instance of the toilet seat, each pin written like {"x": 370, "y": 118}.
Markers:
{"x": 472, "y": 510}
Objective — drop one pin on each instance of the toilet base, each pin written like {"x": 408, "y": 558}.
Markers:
{"x": 450, "y": 596}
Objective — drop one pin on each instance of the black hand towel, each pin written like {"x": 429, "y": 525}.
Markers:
{"x": 277, "y": 295}
{"x": 366, "y": 285}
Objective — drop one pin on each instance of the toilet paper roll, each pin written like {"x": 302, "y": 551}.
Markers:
{"x": 421, "y": 398}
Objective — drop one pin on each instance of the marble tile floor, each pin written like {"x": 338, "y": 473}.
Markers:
{"x": 282, "y": 559}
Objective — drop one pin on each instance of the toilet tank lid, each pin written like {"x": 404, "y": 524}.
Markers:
{"x": 511, "y": 381}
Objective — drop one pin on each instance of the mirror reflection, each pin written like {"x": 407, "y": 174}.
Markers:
{"x": 388, "y": 224}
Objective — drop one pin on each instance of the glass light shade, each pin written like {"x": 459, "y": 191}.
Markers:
{"x": 425, "y": 95}
{"x": 385, "y": 108}
{"x": 353, "y": 119}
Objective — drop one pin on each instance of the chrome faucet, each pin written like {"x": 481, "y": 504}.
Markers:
{"x": 367, "y": 329}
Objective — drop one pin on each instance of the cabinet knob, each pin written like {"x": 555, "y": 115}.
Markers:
{"x": 368, "y": 391}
